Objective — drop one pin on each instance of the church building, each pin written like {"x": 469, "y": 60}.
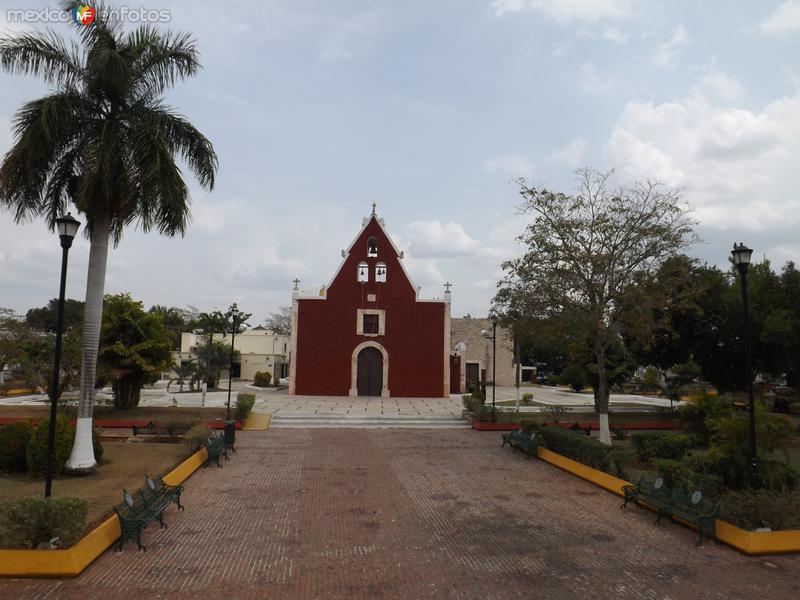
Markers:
{"x": 368, "y": 333}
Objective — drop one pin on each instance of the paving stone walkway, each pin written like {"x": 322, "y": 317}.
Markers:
{"x": 363, "y": 514}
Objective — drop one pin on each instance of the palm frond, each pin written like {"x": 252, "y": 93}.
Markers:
{"x": 160, "y": 59}
{"x": 43, "y": 54}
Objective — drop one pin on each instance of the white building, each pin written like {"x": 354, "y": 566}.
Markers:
{"x": 260, "y": 349}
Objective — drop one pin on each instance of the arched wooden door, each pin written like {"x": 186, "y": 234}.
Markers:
{"x": 369, "y": 379}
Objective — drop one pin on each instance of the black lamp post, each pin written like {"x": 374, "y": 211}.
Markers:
{"x": 67, "y": 228}
{"x": 741, "y": 258}
{"x": 234, "y": 315}
{"x": 493, "y": 337}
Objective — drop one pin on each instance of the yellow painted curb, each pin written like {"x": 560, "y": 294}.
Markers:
{"x": 257, "y": 422}
{"x": 72, "y": 561}
{"x": 752, "y": 543}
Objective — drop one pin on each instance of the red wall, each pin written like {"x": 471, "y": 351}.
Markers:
{"x": 326, "y": 329}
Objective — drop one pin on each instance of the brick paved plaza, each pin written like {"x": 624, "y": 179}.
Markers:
{"x": 409, "y": 514}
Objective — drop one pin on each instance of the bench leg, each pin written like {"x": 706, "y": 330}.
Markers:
{"x": 161, "y": 520}
{"x": 178, "y": 502}
{"x": 139, "y": 542}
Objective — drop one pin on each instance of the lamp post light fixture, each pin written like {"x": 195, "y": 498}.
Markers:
{"x": 493, "y": 338}
{"x": 67, "y": 227}
{"x": 741, "y": 258}
{"x": 234, "y": 326}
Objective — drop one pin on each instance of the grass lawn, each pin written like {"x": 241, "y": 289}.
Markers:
{"x": 123, "y": 466}
{"x": 153, "y": 413}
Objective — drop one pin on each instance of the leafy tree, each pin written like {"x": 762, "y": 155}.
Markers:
{"x": 206, "y": 325}
{"x": 213, "y": 358}
{"x": 134, "y": 348}
{"x": 176, "y": 320}
{"x": 584, "y": 251}
{"x": 103, "y": 140}
{"x": 35, "y": 364}
{"x": 280, "y": 322}
{"x": 13, "y": 333}
{"x": 185, "y": 369}
{"x": 46, "y": 317}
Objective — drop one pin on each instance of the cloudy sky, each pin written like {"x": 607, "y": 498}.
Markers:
{"x": 431, "y": 108}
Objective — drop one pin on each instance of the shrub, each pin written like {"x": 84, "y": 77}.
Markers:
{"x": 554, "y": 380}
{"x": 478, "y": 394}
{"x": 196, "y": 437}
{"x": 244, "y": 404}
{"x": 575, "y": 376}
{"x": 668, "y": 446}
{"x": 677, "y": 474}
{"x": 28, "y": 522}
{"x": 527, "y": 398}
{"x": 36, "y": 452}
{"x": 753, "y": 509}
{"x": 97, "y": 445}
{"x": 699, "y": 414}
{"x": 262, "y": 379}
{"x": 14, "y": 440}
{"x": 620, "y": 459}
{"x": 577, "y": 446}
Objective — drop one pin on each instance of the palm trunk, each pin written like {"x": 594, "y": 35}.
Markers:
{"x": 82, "y": 456}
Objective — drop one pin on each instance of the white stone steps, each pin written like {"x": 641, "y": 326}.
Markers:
{"x": 377, "y": 422}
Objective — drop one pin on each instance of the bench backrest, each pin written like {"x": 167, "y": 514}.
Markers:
{"x": 655, "y": 487}
{"x": 694, "y": 503}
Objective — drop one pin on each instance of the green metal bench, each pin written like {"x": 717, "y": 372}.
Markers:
{"x": 135, "y": 514}
{"x": 526, "y": 442}
{"x": 651, "y": 491}
{"x": 509, "y": 437}
{"x": 692, "y": 508}
{"x": 156, "y": 490}
{"x": 215, "y": 446}
{"x": 696, "y": 509}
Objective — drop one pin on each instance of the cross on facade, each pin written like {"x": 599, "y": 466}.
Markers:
{"x": 296, "y": 283}
{"x": 447, "y": 286}
{"x": 374, "y": 206}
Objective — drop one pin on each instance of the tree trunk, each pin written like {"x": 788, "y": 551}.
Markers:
{"x": 82, "y": 456}
{"x": 127, "y": 392}
{"x": 601, "y": 393}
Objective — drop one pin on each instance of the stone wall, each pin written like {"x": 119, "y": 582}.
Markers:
{"x": 479, "y": 350}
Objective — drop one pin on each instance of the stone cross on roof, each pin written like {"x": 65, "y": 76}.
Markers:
{"x": 374, "y": 206}
{"x": 447, "y": 286}
{"x": 296, "y": 283}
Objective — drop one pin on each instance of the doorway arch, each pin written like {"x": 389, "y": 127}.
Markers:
{"x": 371, "y": 359}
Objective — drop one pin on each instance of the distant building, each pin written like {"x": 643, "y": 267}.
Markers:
{"x": 260, "y": 350}
{"x": 369, "y": 333}
{"x": 471, "y": 354}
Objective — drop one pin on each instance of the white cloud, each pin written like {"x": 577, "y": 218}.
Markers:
{"x": 594, "y": 80}
{"x": 785, "y": 19}
{"x": 566, "y": 10}
{"x": 612, "y": 34}
{"x": 572, "y": 153}
{"x": 667, "y": 53}
{"x": 433, "y": 239}
{"x": 514, "y": 164}
{"x": 737, "y": 167}
{"x": 722, "y": 86}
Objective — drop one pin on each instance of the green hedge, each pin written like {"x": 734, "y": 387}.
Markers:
{"x": 262, "y": 379}
{"x": 14, "y": 440}
{"x": 577, "y": 446}
{"x": 244, "y": 404}
{"x": 36, "y": 452}
{"x": 28, "y": 522}
{"x": 669, "y": 446}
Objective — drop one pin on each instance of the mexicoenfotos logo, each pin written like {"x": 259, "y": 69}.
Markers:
{"x": 84, "y": 15}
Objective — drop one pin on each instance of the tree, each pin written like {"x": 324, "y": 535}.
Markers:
{"x": 176, "y": 320}
{"x": 281, "y": 321}
{"x": 46, "y": 317}
{"x": 207, "y": 324}
{"x": 184, "y": 369}
{"x": 35, "y": 363}
{"x": 13, "y": 334}
{"x": 213, "y": 358}
{"x": 103, "y": 140}
{"x": 585, "y": 250}
{"x": 134, "y": 348}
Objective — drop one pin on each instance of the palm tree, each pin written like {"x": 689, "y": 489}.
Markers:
{"x": 103, "y": 140}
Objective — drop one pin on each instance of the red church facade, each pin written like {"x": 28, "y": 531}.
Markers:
{"x": 368, "y": 333}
